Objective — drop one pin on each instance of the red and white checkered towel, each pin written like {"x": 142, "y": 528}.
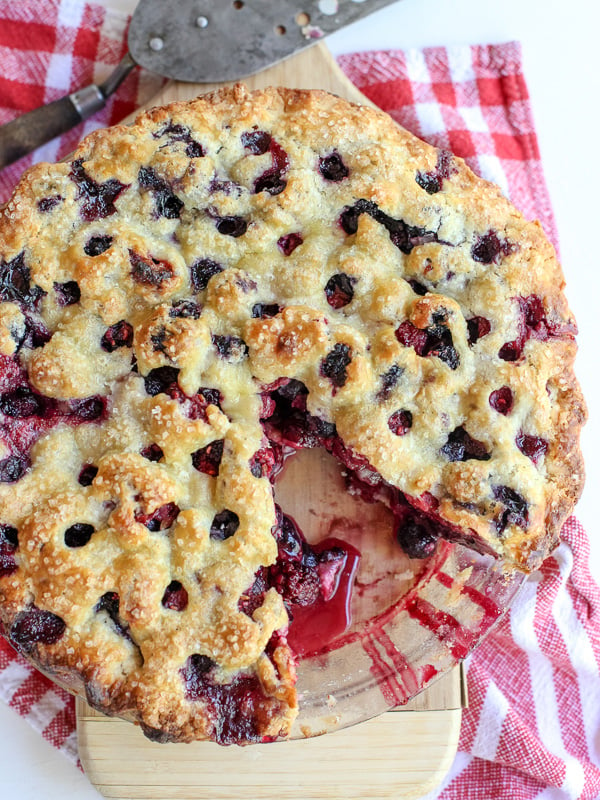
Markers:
{"x": 533, "y": 726}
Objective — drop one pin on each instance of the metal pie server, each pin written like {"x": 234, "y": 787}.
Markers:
{"x": 199, "y": 41}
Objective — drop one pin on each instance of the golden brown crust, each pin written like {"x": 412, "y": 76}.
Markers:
{"x": 180, "y": 228}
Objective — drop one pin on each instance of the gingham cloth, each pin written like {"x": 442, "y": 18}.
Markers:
{"x": 532, "y": 729}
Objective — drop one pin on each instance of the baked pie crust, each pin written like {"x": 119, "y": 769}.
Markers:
{"x": 191, "y": 298}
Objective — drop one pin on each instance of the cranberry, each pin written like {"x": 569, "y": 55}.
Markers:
{"x": 389, "y": 380}
{"x": 15, "y": 283}
{"x": 230, "y": 348}
{"x": 12, "y": 468}
{"x": 166, "y": 202}
{"x": 118, "y": 335}
{"x": 533, "y": 324}
{"x": 185, "y": 309}
{"x": 160, "y": 380}
{"x": 339, "y": 290}
{"x": 433, "y": 181}
{"x": 161, "y": 519}
{"x": 417, "y": 539}
{"x": 258, "y": 142}
{"x": 534, "y": 447}
{"x": 110, "y": 603}
{"x": 501, "y": 400}
{"x": 262, "y": 310}
{"x": 150, "y": 271}
{"x": 433, "y": 341}
{"x": 208, "y": 459}
{"x": 21, "y": 402}
{"x": 332, "y": 167}
{"x": 152, "y": 452}
{"x": 34, "y": 626}
{"x": 400, "y": 422}
{"x": 9, "y": 542}
{"x": 230, "y": 704}
{"x": 263, "y": 463}
{"x": 79, "y": 534}
{"x": 334, "y": 365}
{"x": 516, "y": 511}
{"x": 175, "y": 597}
{"x": 97, "y": 199}
{"x": 96, "y": 245}
{"x": 489, "y": 248}
{"x": 67, "y": 294}
{"x": 87, "y": 474}
{"x": 462, "y": 447}
{"x": 46, "y": 204}
{"x": 253, "y": 597}
{"x": 224, "y": 525}
{"x": 287, "y": 244}
{"x": 202, "y": 271}
{"x": 477, "y": 327}
{"x": 511, "y": 351}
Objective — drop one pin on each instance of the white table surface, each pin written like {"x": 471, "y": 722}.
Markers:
{"x": 560, "y": 47}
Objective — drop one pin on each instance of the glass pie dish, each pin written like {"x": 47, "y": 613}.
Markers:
{"x": 400, "y": 623}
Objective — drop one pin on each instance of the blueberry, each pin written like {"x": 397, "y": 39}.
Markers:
{"x": 79, "y": 534}
{"x": 160, "y": 380}
{"x": 21, "y": 402}
{"x": 12, "y": 468}
{"x": 332, "y": 167}
{"x": 96, "y": 245}
{"x": 208, "y": 459}
{"x": 97, "y": 199}
{"x": 67, "y": 294}
{"x": 224, "y": 525}
{"x": 417, "y": 539}
{"x": 202, "y": 271}
{"x": 462, "y": 447}
{"x": 339, "y": 290}
{"x": 166, "y": 202}
{"x": 334, "y": 365}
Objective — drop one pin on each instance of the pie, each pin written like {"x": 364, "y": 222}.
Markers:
{"x": 191, "y": 299}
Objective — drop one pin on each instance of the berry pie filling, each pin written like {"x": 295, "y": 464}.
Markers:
{"x": 226, "y": 284}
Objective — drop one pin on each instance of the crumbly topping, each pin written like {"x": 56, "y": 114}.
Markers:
{"x": 155, "y": 286}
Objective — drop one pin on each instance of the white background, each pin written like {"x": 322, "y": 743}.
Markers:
{"x": 560, "y": 51}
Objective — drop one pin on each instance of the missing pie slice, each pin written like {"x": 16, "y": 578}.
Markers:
{"x": 191, "y": 299}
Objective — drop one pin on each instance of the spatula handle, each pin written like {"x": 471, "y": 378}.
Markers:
{"x": 29, "y": 131}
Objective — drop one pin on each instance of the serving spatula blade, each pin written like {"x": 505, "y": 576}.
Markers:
{"x": 210, "y": 41}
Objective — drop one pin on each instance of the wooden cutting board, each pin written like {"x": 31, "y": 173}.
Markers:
{"x": 401, "y": 754}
